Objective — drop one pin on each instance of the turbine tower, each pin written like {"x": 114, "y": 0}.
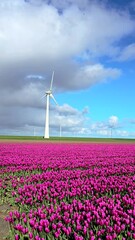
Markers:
{"x": 48, "y": 94}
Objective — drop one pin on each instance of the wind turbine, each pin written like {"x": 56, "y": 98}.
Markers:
{"x": 48, "y": 94}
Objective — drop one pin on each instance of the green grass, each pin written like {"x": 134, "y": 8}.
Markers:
{"x": 67, "y": 139}
{"x": 6, "y": 137}
{"x": 81, "y": 139}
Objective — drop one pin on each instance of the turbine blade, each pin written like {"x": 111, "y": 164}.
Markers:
{"x": 53, "y": 99}
{"x": 52, "y": 81}
{"x": 43, "y": 96}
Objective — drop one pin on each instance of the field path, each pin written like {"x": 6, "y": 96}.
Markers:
{"x": 4, "y": 226}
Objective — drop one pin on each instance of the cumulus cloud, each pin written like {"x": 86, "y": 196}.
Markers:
{"x": 27, "y": 96}
{"x": 64, "y": 120}
{"x": 99, "y": 129}
{"x": 104, "y": 128}
{"x": 111, "y": 128}
{"x": 27, "y": 92}
{"x": 63, "y": 4}
{"x": 113, "y": 122}
{"x": 96, "y": 73}
{"x": 36, "y": 38}
{"x": 71, "y": 120}
{"x": 37, "y": 32}
{"x": 27, "y": 31}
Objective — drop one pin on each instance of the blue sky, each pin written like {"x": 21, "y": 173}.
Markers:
{"x": 91, "y": 47}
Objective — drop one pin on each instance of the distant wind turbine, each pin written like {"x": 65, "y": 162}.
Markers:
{"x": 48, "y": 94}
{"x": 60, "y": 129}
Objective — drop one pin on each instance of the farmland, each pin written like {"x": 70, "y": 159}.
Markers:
{"x": 68, "y": 191}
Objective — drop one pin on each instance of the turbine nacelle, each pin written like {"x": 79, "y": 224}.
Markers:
{"x": 49, "y": 92}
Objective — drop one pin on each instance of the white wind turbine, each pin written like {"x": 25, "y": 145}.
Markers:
{"x": 48, "y": 94}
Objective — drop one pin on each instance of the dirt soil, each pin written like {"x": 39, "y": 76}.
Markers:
{"x": 4, "y": 226}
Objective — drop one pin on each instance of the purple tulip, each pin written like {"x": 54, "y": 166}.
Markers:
{"x": 70, "y": 189}
{"x": 47, "y": 230}
{"x": 17, "y": 237}
{"x": 30, "y": 235}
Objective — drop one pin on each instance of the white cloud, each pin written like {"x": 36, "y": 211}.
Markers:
{"x": 24, "y": 120}
{"x": 62, "y": 4}
{"x": 30, "y": 31}
{"x": 96, "y": 73}
{"x": 28, "y": 96}
{"x": 32, "y": 76}
{"x": 34, "y": 40}
{"x": 71, "y": 120}
{"x": 78, "y": 124}
{"x": 111, "y": 128}
{"x": 113, "y": 122}
{"x": 104, "y": 128}
{"x": 122, "y": 133}
{"x": 99, "y": 129}
{"x": 128, "y": 53}
{"x": 67, "y": 110}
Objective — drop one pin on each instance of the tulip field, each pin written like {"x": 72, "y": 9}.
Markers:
{"x": 69, "y": 191}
